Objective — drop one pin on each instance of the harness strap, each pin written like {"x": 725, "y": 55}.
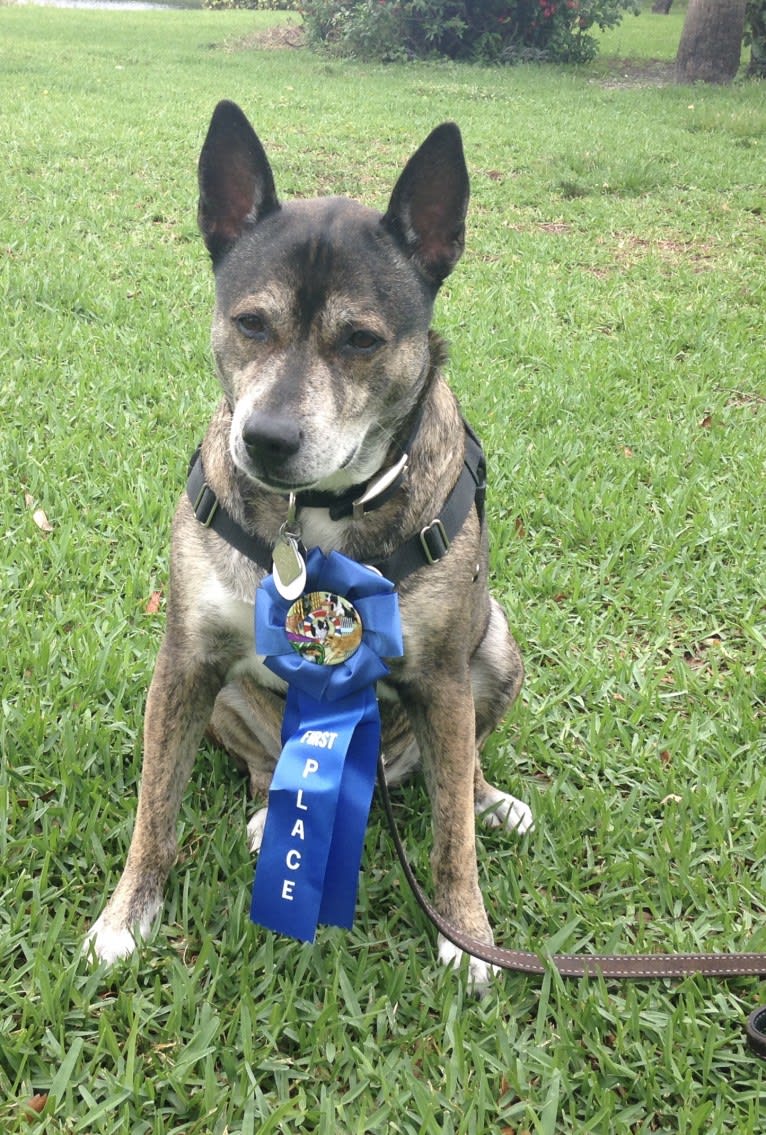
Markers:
{"x": 211, "y": 514}
{"x": 434, "y": 539}
{"x": 424, "y": 548}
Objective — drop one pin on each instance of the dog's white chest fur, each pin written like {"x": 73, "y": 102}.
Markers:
{"x": 219, "y": 606}
{"x": 319, "y": 531}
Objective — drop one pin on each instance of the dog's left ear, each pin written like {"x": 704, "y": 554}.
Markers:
{"x": 426, "y": 213}
{"x": 236, "y": 185}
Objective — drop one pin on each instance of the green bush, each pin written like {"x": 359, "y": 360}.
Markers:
{"x": 489, "y": 31}
{"x": 755, "y": 35}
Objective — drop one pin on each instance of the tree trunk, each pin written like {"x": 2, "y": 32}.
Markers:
{"x": 711, "y": 41}
{"x": 662, "y": 6}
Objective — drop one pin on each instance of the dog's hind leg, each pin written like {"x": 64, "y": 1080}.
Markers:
{"x": 497, "y": 672}
{"x": 498, "y": 809}
{"x": 247, "y": 722}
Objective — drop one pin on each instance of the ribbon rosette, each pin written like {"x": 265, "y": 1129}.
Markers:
{"x": 329, "y": 647}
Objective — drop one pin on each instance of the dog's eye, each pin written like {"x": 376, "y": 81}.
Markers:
{"x": 252, "y": 326}
{"x": 363, "y": 341}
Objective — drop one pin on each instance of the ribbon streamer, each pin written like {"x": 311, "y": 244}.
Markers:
{"x": 320, "y": 795}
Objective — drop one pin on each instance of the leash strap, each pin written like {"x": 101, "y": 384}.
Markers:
{"x": 579, "y": 965}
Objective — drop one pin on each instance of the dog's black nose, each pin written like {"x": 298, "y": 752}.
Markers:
{"x": 271, "y": 439}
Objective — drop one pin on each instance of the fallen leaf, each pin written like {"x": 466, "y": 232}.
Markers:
{"x": 695, "y": 656}
{"x": 29, "y": 500}
{"x": 706, "y": 422}
{"x": 153, "y": 603}
{"x": 42, "y": 521}
{"x": 36, "y": 1103}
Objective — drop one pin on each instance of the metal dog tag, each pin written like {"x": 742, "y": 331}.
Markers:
{"x": 289, "y": 567}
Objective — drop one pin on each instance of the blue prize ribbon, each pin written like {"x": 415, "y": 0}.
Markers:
{"x": 320, "y": 795}
{"x": 306, "y": 838}
{"x": 353, "y": 808}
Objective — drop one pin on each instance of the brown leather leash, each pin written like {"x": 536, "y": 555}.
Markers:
{"x": 635, "y": 966}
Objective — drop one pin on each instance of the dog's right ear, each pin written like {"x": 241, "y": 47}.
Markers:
{"x": 426, "y": 213}
{"x": 236, "y": 185}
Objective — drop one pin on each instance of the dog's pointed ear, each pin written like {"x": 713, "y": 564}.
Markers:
{"x": 426, "y": 213}
{"x": 236, "y": 185}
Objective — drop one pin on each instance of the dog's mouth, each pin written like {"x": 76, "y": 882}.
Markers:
{"x": 279, "y": 486}
{"x": 338, "y": 481}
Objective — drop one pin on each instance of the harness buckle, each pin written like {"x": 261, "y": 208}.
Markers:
{"x": 434, "y": 541}
{"x": 206, "y": 505}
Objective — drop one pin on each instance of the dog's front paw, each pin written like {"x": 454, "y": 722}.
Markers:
{"x": 480, "y": 973}
{"x": 255, "y": 830}
{"x": 498, "y": 809}
{"x": 109, "y": 943}
{"x": 126, "y": 920}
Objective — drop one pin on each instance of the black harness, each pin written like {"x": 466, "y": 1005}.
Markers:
{"x": 422, "y": 548}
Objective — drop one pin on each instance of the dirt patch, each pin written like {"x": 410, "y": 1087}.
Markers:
{"x": 629, "y": 248}
{"x": 558, "y": 228}
{"x": 626, "y": 250}
{"x": 628, "y": 73}
{"x": 271, "y": 39}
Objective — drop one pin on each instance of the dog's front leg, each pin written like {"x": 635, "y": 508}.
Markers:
{"x": 179, "y": 705}
{"x": 443, "y": 720}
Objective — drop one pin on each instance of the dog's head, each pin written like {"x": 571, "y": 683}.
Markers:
{"x": 323, "y": 306}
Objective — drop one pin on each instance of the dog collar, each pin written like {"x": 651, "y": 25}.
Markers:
{"x": 360, "y": 499}
{"x": 423, "y": 548}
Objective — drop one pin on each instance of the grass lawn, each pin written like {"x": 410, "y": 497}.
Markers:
{"x": 607, "y": 330}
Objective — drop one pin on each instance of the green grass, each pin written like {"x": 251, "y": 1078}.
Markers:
{"x": 607, "y": 339}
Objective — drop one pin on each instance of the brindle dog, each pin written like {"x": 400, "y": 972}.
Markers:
{"x": 322, "y": 342}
